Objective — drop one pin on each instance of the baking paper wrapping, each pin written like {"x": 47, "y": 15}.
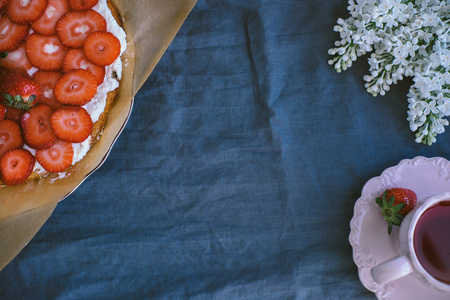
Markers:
{"x": 150, "y": 25}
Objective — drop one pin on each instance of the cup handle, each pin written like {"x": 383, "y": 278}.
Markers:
{"x": 392, "y": 269}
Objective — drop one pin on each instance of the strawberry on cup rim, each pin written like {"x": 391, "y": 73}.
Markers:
{"x": 395, "y": 204}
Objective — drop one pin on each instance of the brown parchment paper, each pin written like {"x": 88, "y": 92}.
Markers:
{"x": 150, "y": 25}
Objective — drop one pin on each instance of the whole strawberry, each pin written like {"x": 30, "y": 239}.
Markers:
{"x": 19, "y": 90}
{"x": 395, "y": 204}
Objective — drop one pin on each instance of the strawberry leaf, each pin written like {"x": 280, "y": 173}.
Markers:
{"x": 397, "y": 208}
{"x": 391, "y": 201}
{"x": 18, "y": 102}
{"x": 390, "y": 211}
{"x": 389, "y": 227}
{"x": 31, "y": 99}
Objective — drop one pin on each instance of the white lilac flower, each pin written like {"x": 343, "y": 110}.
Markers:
{"x": 432, "y": 83}
{"x": 353, "y": 7}
{"x": 390, "y": 21}
{"x": 369, "y": 37}
{"x": 398, "y": 7}
{"x": 411, "y": 48}
{"x": 430, "y": 20}
{"x": 445, "y": 58}
{"x": 444, "y": 106}
{"x": 429, "y": 107}
{"x": 384, "y": 7}
{"x": 406, "y": 39}
{"x": 435, "y": 60}
{"x": 446, "y": 77}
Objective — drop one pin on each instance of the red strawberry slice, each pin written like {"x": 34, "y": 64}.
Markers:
{"x": 16, "y": 59}
{"x": 25, "y": 11}
{"x": 37, "y": 129}
{"x": 16, "y": 165}
{"x": 73, "y": 28}
{"x": 72, "y": 124}
{"x": 57, "y": 158}
{"x": 82, "y": 4}
{"x": 76, "y": 87}
{"x": 47, "y": 81}
{"x": 45, "y": 52}
{"x": 11, "y": 34}
{"x": 10, "y": 136}
{"x": 102, "y": 48}
{"x": 3, "y": 4}
{"x": 46, "y": 24}
{"x": 75, "y": 59}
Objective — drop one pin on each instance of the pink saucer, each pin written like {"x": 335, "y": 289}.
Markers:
{"x": 369, "y": 238}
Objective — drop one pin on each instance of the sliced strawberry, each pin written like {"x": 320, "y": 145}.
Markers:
{"x": 2, "y": 112}
{"x": 72, "y": 124}
{"x": 75, "y": 59}
{"x": 16, "y": 59}
{"x": 76, "y": 87}
{"x": 16, "y": 165}
{"x": 45, "y": 52}
{"x": 11, "y": 34}
{"x": 25, "y": 11}
{"x": 73, "y": 28}
{"x": 102, "y": 48}
{"x": 82, "y": 4}
{"x": 37, "y": 129}
{"x": 3, "y": 4}
{"x": 47, "y": 81}
{"x": 46, "y": 24}
{"x": 56, "y": 158}
{"x": 10, "y": 136}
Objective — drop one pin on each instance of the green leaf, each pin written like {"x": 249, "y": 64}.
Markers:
{"x": 8, "y": 98}
{"x": 31, "y": 99}
{"x": 17, "y": 101}
{"x": 391, "y": 201}
{"x": 3, "y": 54}
{"x": 383, "y": 198}
{"x": 398, "y": 207}
{"x": 378, "y": 201}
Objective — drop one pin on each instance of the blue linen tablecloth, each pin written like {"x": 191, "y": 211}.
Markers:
{"x": 237, "y": 173}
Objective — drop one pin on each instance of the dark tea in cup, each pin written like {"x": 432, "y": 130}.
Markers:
{"x": 432, "y": 241}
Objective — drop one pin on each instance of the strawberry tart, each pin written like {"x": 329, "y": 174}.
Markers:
{"x": 60, "y": 70}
